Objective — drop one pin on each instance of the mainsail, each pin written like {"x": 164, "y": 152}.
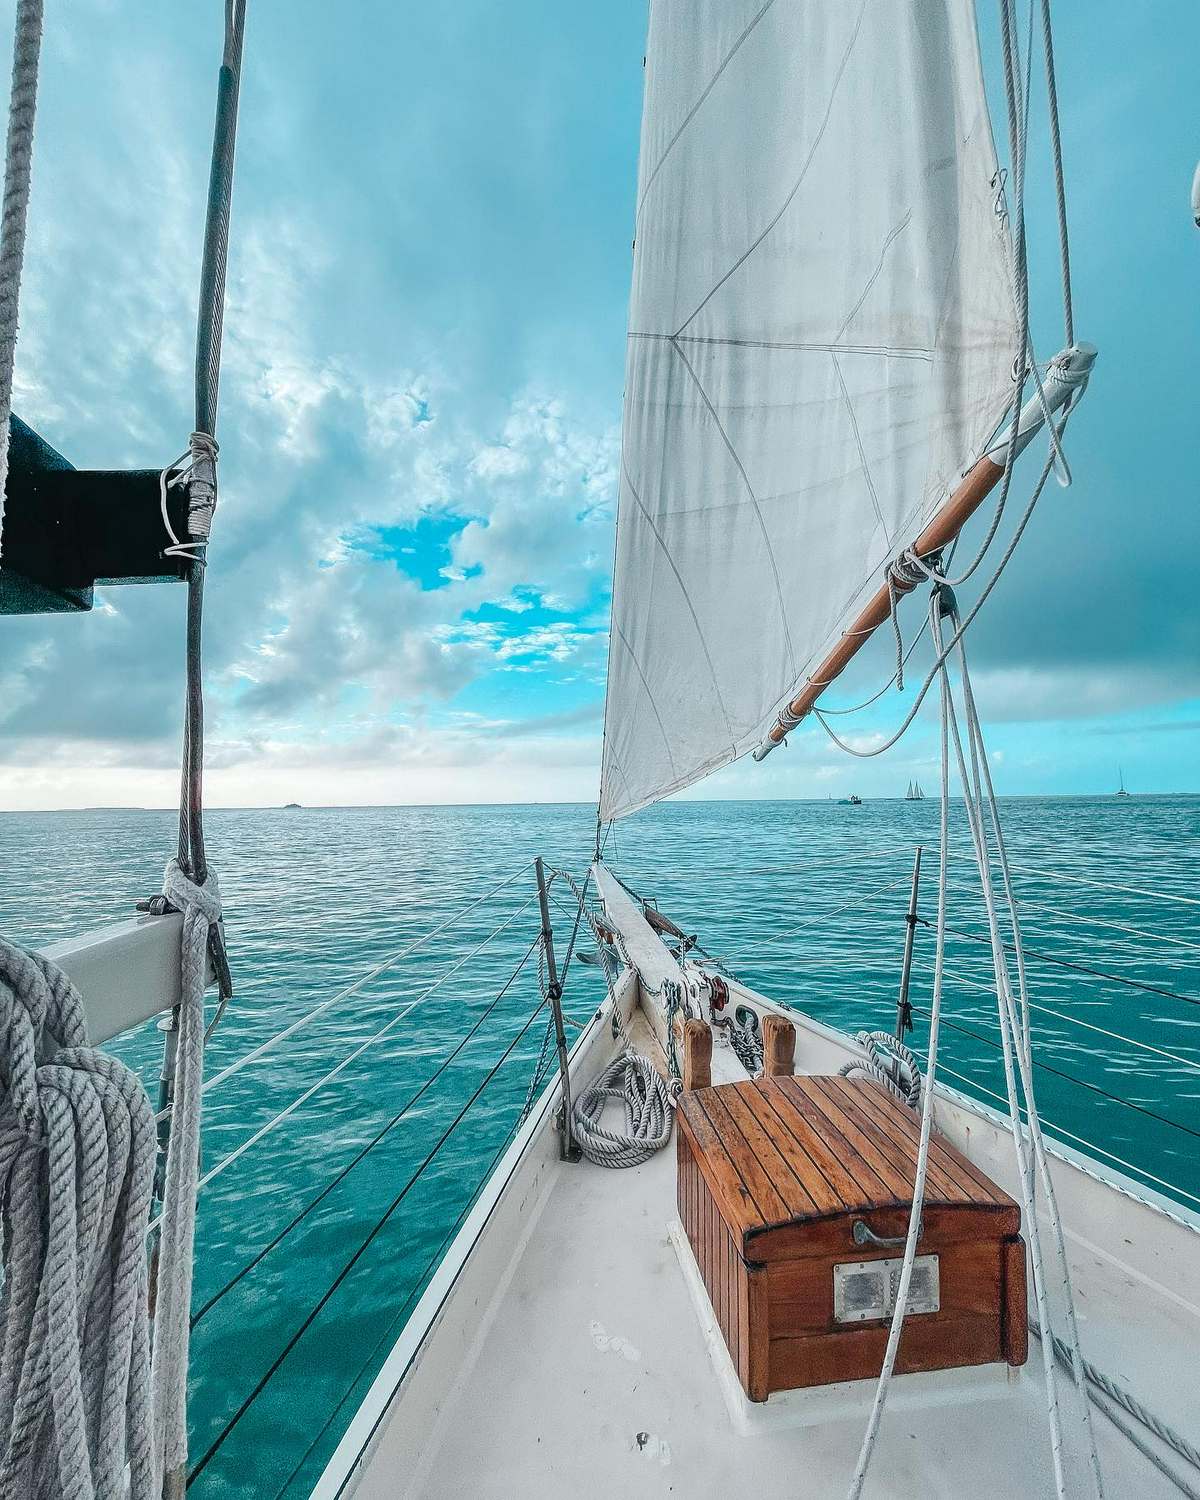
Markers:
{"x": 821, "y": 340}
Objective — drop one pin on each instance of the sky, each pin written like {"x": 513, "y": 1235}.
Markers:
{"x": 420, "y": 412}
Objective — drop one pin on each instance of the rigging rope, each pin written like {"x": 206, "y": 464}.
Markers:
{"x": 18, "y": 168}
{"x": 914, "y": 1218}
{"x": 76, "y": 1166}
{"x": 190, "y": 885}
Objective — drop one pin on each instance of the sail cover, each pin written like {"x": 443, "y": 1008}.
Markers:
{"x": 821, "y": 339}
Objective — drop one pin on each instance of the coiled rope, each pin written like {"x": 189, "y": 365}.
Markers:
{"x": 77, "y": 1146}
{"x": 649, "y": 1103}
{"x": 631, "y": 1079}
{"x": 888, "y": 1062}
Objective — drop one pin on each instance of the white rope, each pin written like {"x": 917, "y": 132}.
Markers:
{"x": 76, "y": 1168}
{"x": 18, "y": 164}
{"x": 201, "y": 908}
{"x": 918, "y": 1201}
{"x": 649, "y": 1104}
{"x": 1015, "y": 1035}
{"x": 890, "y": 1063}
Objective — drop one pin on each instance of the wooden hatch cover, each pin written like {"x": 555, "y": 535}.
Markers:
{"x": 788, "y": 1186}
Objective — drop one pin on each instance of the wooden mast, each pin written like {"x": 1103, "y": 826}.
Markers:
{"x": 1068, "y": 372}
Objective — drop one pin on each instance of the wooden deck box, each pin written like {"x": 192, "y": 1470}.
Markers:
{"x": 786, "y": 1188}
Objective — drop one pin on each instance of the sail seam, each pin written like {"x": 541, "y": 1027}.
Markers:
{"x": 653, "y": 705}
{"x": 858, "y": 442}
{"x": 796, "y": 186}
{"x": 893, "y": 236}
{"x": 762, "y": 525}
{"x": 882, "y": 351}
{"x": 695, "y": 109}
{"x": 687, "y": 599}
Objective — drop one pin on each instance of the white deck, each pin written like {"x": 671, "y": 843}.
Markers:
{"x": 594, "y": 1379}
{"x": 585, "y": 1370}
{"x": 565, "y": 1346}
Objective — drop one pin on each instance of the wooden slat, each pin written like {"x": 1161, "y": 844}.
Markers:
{"x": 1016, "y": 1302}
{"x": 973, "y": 1184}
{"x": 731, "y": 1193}
{"x": 758, "y": 1359}
{"x": 871, "y": 1186}
{"x": 898, "y": 1186}
{"x": 939, "y": 1188}
{"x": 801, "y": 1162}
{"x": 845, "y": 1185}
{"x": 733, "y": 1146}
{"x": 797, "y": 1200}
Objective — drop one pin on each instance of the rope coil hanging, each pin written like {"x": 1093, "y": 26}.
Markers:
{"x": 77, "y": 1146}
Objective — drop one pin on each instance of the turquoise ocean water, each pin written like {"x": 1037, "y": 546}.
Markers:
{"x": 804, "y": 900}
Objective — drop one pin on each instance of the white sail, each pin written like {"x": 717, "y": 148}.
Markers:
{"x": 821, "y": 338}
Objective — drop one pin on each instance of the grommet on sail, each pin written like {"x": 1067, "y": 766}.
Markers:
{"x": 821, "y": 341}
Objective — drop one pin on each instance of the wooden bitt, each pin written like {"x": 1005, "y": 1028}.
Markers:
{"x": 941, "y": 531}
{"x": 779, "y": 1047}
{"x": 697, "y": 1054}
{"x": 784, "y": 1179}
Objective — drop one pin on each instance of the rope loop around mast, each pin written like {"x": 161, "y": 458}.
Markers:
{"x": 195, "y": 468}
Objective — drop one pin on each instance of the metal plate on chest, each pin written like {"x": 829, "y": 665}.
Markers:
{"x": 865, "y": 1291}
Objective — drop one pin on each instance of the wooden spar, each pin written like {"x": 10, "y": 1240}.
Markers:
{"x": 1065, "y": 378}
{"x": 980, "y": 481}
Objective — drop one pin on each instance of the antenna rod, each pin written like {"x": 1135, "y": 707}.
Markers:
{"x": 1067, "y": 374}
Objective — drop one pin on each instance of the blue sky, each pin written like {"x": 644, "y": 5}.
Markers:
{"x": 421, "y": 398}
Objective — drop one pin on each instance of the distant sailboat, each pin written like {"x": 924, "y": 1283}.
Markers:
{"x": 1121, "y": 792}
{"x": 914, "y": 793}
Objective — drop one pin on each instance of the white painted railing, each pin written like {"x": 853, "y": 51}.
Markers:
{"x": 126, "y": 972}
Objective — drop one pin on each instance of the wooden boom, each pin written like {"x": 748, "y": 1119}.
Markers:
{"x": 1066, "y": 376}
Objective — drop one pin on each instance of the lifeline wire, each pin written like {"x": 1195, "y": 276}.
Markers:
{"x": 299, "y": 1218}
{"x": 289, "y": 1109}
{"x": 311, "y": 1316}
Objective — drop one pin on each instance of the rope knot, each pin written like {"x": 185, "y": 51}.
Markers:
{"x": 195, "y": 468}
{"x": 905, "y": 573}
{"x": 187, "y": 896}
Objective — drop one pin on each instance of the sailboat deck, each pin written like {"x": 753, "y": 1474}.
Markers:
{"x": 592, "y": 1374}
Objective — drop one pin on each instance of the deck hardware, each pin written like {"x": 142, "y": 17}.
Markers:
{"x": 568, "y": 1150}
{"x": 865, "y": 1291}
{"x": 865, "y": 1235}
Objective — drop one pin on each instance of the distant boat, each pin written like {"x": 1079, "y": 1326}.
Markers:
{"x": 914, "y": 793}
{"x": 1121, "y": 792}
{"x": 852, "y": 801}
